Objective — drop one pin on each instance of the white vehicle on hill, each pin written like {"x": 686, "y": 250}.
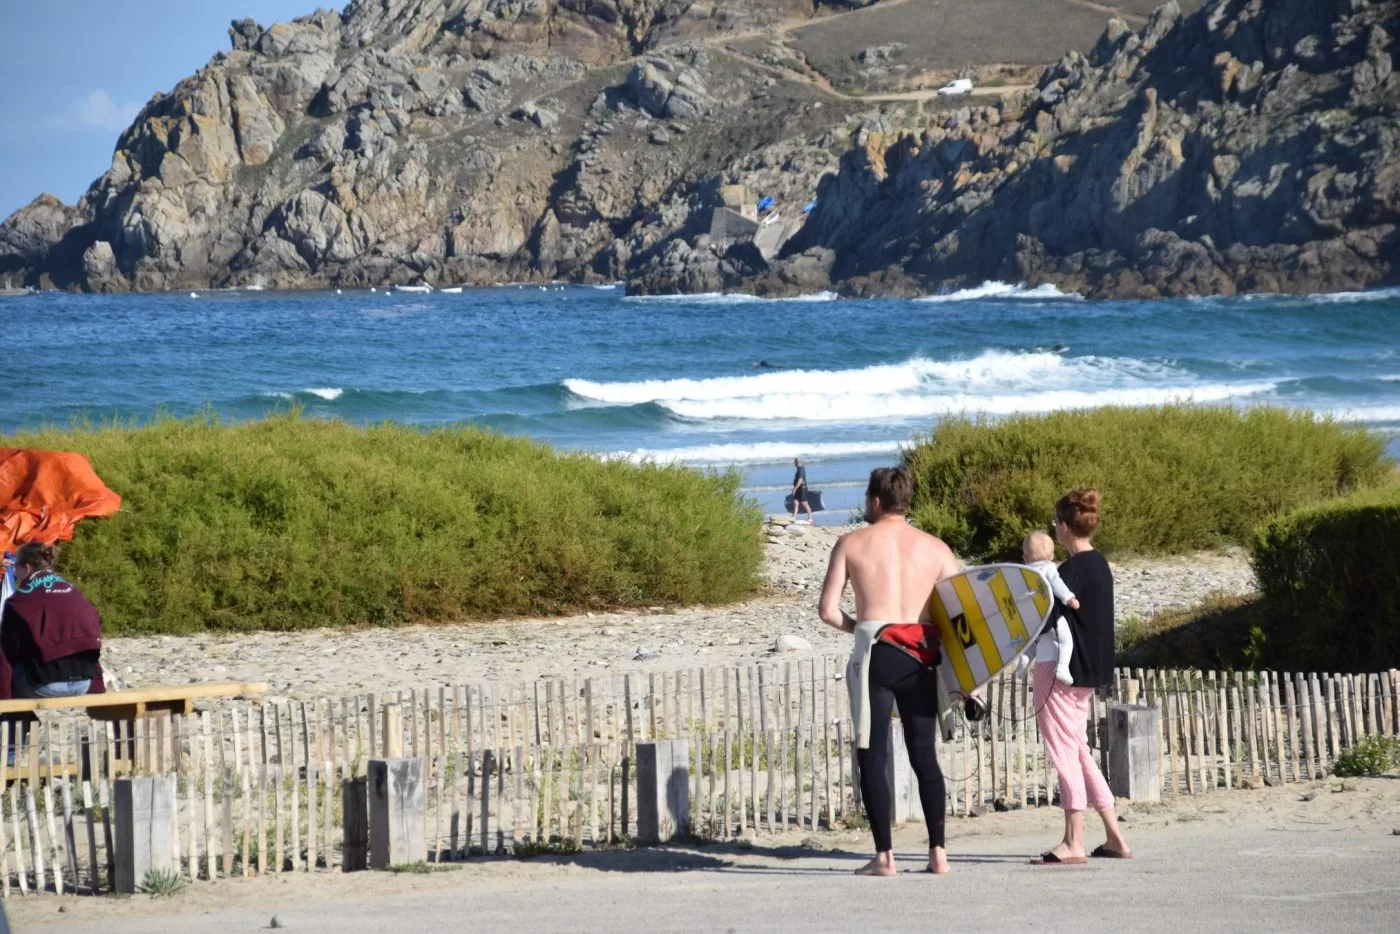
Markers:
{"x": 955, "y": 88}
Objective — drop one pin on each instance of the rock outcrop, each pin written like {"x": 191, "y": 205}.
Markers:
{"x": 417, "y": 140}
{"x": 1254, "y": 146}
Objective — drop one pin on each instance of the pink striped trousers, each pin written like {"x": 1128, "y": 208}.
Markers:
{"x": 1063, "y": 715}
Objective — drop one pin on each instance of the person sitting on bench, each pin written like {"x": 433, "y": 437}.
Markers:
{"x": 50, "y": 635}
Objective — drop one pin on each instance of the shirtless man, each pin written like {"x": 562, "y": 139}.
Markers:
{"x": 892, "y": 568}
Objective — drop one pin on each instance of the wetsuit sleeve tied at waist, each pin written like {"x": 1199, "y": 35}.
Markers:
{"x": 867, "y": 634}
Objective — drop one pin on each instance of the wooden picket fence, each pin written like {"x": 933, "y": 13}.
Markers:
{"x": 520, "y": 768}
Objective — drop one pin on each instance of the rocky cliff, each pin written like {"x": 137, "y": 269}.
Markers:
{"x": 433, "y": 140}
{"x": 1252, "y": 146}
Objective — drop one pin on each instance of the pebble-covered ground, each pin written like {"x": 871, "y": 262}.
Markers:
{"x": 336, "y": 662}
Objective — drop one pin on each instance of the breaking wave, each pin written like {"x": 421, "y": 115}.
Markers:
{"x": 994, "y": 382}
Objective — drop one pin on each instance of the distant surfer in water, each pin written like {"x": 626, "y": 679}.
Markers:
{"x": 763, "y": 364}
{"x": 892, "y": 568}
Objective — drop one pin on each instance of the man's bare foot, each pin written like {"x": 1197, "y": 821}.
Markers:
{"x": 881, "y": 865}
{"x": 938, "y": 861}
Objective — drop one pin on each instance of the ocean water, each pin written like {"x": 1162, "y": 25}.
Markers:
{"x": 675, "y": 379}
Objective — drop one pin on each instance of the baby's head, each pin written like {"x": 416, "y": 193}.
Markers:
{"x": 1038, "y": 547}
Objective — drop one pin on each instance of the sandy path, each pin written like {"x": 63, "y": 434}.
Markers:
{"x": 318, "y": 663}
{"x": 1230, "y": 861}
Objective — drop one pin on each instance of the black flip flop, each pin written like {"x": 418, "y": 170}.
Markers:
{"x": 1048, "y": 858}
{"x": 1103, "y": 851}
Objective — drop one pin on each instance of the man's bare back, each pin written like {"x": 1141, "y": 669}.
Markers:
{"x": 892, "y": 568}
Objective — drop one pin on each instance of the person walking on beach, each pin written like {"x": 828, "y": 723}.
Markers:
{"x": 799, "y": 490}
{"x": 892, "y": 568}
{"x": 1062, "y": 711}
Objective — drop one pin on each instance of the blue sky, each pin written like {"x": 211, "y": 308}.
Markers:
{"x": 74, "y": 72}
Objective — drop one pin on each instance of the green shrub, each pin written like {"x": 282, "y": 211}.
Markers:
{"x": 1174, "y": 478}
{"x": 290, "y": 523}
{"x": 1373, "y": 755}
{"x": 554, "y": 846}
{"x": 1330, "y": 576}
{"x": 162, "y": 883}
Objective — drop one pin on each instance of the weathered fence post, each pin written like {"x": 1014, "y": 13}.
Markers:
{"x": 1134, "y": 752}
{"x": 626, "y": 792}
{"x": 905, "y": 784}
{"x": 392, "y": 731}
{"x": 145, "y": 821}
{"x": 899, "y": 772}
{"x": 354, "y": 856}
{"x": 663, "y": 790}
{"x": 396, "y": 812}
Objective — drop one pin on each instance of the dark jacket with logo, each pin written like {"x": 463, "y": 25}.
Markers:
{"x": 46, "y": 620}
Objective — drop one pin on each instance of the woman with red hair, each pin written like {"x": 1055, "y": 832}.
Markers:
{"x": 1063, "y": 710}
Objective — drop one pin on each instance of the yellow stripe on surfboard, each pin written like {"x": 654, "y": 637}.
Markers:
{"x": 978, "y": 623}
{"x": 950, "y": 642}
{"x": 1036, "y": 584}
{"x": 1010, "y": 610}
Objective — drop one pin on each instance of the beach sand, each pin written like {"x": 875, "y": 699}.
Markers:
{"x": 1305, "y": 857}
{"x": 337, "y": 662}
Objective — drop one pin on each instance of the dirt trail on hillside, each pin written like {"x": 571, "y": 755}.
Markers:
{"x": 812, "y": 77}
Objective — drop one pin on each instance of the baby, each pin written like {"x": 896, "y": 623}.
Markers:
{"x": 1039, "y": 552}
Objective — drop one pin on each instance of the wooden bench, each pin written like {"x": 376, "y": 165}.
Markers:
{"x": 124, "y": 708}
{"x": 129, "y": 705}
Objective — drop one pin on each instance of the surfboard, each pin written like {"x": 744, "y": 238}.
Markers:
{"x": 814, "y": 499}
{"x": 986, "y": 616}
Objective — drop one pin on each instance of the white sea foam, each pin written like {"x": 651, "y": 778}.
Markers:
{"x": 699, "y": 298}
{"x": 890, "y": 378}
{"x": 992, "y": 383}
{"x": 822, "y": 296}
{"x": 731, "y": 298}
{"x": 764, "y": 452}
{"x": 994, "y": 290}
{"x": 787, "y": 487}
{"x": 990, "y": 371}
{"x": 330, "y": 395}
{"x": 1363, "y": 413}
{"x": 1347, "y": 298}
{"x": 855, "y": 407}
